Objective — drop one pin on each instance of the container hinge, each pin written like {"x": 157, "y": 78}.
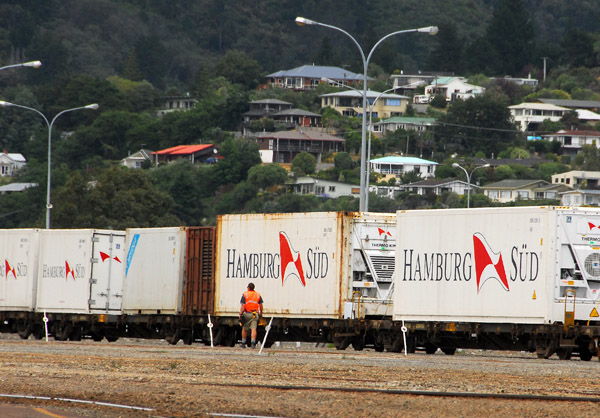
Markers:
{"x": 92, "y": 302}
{"x": 94, "y": 260}
{"x": 95, "y": 239}
{"x": 93, "y": 281}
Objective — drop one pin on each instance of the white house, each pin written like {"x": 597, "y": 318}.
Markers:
{"x": 10, "y": 163}
{"x": 529, "y": 115}
{"x": 349, "y": 103}
{"x": 176, "y": 103}
{"x": 451, "y": 88}
{"x": 437, "y": 187}
{"x": 572, "y": 141}
{"x": 397, "y": 166}
{"x": 402, "y": 122}
{"x": 581, "y": 197}
{"x": 323, "y": 188}
{"x": 510, "y": 190}
{"x": 136, "y": 159}
{"x": 577, "y": 178}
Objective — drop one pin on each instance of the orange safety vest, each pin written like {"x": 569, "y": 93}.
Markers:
{"x": 252, "y": 299}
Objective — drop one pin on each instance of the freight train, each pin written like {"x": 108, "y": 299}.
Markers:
{"x": 497, "y": 278}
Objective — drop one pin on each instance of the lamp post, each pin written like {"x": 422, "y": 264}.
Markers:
{"x": 371, "y": 106}
{"x": 301, "y": 21}
{"x": 50, "y": 124}
{"x": 456, "y": 165}
{"x": 33, "y": 64}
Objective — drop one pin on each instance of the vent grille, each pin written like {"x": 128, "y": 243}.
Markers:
{"x": 384, "y": 267}
{"x": 592, "y": 265}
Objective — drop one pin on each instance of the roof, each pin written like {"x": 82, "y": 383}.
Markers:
{"x": 402, "y": 160}
{"x": 587, "y": 114}
{"x": 582, "y": 191}
{"x": 183, "y": 149}
{"x": 318, "y": 71}
{"x": 563, "y": 132}
{"x": 514, "y": 184}
{"x": 589, "y": 104}
{"x": 579, "y": 173}
{"x": 16, "y": 187}
{"x": 295, "y": 112}
{"x": 371, "y": 94}
{"x": 270, "y": 101}
{"x": 436, "y": 182}
{"x": 537, "y": 106}
{"x": 16, "y": 157}
{"x": 304, "y": 134}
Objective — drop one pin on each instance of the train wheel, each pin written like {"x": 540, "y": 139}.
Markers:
{"x": 39, "y": 332}
{"x": 358, "y": 343}
{"x": 111, "y": 338}
{"x": 25, "y": 330}
{"x": 341, "y": 343}
{"x": 96, "y": 336}
{"x": 430, "y": 348}
{"x": 173, "y": 337}
{"x": 449, "y": 351}
{"x": 411, "y": 344}
{"x": 61, "y": 332}
{"x": 584, "y": 354}
{"x": 564, "y": 353}
{"x": 188, "y": 337}
{"x": 75, "y": 334}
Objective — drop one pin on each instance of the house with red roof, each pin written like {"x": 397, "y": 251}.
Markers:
{"x": 198, "y": 153}
{"x": 571, "y": 141}
{"x": 283, "y": 146}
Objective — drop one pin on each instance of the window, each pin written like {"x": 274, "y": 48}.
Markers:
{"x": 393, "y": 102}
{"x": 567, "y": 140}
{"x": 505, "y": 194}
{"x": 492, "y": 194}
{"x": 319, "y": 190}
{"x": 332, "y": 188}
{"x": 523, "y": 194}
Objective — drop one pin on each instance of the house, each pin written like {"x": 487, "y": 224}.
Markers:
{"x": 323, "y": 188}
{"x": 136, "y": 159}
{"x": 581, "y": 197}
{"x": 396, "y": 166}
{"x": 407, "y": 83}
{"x": 10, "y": 163}
{"x": 451, "y": 88}
{"x": 437, "y": 187}
{"x": 385, "y": 191}
{"x": 510, "y": 190}
{"x": 174, "y": 103}
{"x": 591, "y": 105}
{"x": 350, "y": 103}
{"x": 308, "y": 77}
{"x": 283, "y": 146}
{"x": 572, "y": 141}
{"x": 199, "y": 153}
{"x": 16, "y": 187}
{"x": 578, "y": 179}
{"x": 531, "y": 82}
{"x": 403, "y": 122}
{"x": 528, "y": 116}
{"x": 282, "y": 114}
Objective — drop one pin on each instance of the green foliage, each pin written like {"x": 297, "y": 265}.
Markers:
{"x": 117, "y": 198}
{"x": 438, "y": 101}
{"x": 304, "y": 163}
{"x": 238, "y": 157}
{"x": 343, "y": 161}
{"x": 267, "y": 175}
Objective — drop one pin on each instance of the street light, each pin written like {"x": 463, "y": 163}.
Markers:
{"x": 33, "y": 64}
{"x": 432, "y": 30}
{"x": 456, "y": 165}
{"x": 371, "y": 106}
{"x": 91, "y": 106}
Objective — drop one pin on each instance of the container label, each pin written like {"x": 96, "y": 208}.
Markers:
{"x": 76, "y": 271}
{"x": 132, "y": 246}
{"x": 10, "y": 270}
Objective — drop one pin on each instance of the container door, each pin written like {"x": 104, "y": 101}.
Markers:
{"x": 200, "y": 271}
{"x": 106, "y": 284}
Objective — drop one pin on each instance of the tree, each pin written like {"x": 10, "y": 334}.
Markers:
{"x": 239, "y": 68}
{"x": 264, "y": 176}
{"x": 343, "y": 161}
{"x": 447, "y": 54}
{"x": 304, "y": 163}
{"x": 238, "y": 157}
{"x": 116, "y": 198}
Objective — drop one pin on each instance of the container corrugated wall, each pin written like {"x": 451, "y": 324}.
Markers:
{"x": 19, "y": 258}
{"x": 200, "y": 271}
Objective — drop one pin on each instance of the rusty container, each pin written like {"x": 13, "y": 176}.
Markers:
{"x": 199, "y": 291}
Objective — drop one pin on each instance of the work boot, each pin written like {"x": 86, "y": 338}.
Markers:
{"x": 243, "y": 345}
{"x": 253, "y": 344}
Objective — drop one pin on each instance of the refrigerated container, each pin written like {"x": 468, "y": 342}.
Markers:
{"x": 525, "y": 265}
{"x": 18, "y": 277}
{"x": 80, "y": 271}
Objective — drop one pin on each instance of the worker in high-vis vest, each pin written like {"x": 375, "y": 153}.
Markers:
{"x": 250, "y": 313}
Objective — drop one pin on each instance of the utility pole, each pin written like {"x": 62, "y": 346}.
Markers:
{"x": 544, "y": 58}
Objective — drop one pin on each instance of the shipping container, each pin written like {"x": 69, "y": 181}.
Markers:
{"x": 19, "y": 258}
{"x": 199, "y": 271}
{"x": 527, "y": 265}
{"x": 154, "y": 270}
{"x": 80, "y": 271}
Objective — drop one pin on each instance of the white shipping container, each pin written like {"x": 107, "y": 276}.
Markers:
{"x": 154, "y": 270}
{"x": 18, "y": 278}
{"x": 299, "y": 262}
{"x": 80, "y": 271}
{"x": 497, "y": 265}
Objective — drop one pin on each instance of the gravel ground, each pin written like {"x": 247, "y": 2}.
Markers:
{"x": 197, "y": 381}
